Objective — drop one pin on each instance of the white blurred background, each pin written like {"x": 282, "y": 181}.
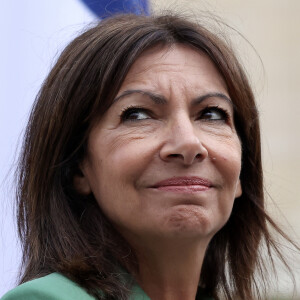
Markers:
{"x": 34, "y": 32}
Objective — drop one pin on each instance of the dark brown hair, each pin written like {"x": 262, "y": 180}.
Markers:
{"x": 63, "y": 231}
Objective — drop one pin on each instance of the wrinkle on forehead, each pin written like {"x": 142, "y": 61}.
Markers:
{"x": 162, "y": 61}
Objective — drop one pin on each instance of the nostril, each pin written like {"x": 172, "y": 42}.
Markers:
{"x": 175, "y": 155}
{"x": 198, "y": 155}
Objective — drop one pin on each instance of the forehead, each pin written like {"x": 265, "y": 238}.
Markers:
{"x": 179, "y": 64}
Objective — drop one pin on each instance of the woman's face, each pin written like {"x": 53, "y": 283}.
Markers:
{"x": 165, "y": 159}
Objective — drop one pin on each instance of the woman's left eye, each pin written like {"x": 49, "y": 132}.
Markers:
{"x": 214, "y": 114}
{"x": 134, "y": 114}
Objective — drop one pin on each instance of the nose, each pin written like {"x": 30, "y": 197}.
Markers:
{"x": 183, "y": 144}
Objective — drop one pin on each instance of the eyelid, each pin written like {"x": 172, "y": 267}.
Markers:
{"x": 225, "y": 112}
{"x": 216, "y": 106}
{"x": 133, "y": 108}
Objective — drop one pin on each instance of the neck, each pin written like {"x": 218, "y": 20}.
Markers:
{"x": 170, "y": 269}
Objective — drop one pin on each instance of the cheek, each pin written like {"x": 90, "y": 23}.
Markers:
{"x": 115, "y": 154}
{"x": 114, "y": 171}
{"x": 230, "y": 166}
{"x": 231, "y": 172}
{"x": 127, "y": 155}
{"x": 226, "y": 156}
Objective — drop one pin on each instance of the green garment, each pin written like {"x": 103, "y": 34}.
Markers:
{"x": 57, "y": 287}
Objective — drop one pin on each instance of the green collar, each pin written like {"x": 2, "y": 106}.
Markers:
{"x": 137, "y": 293}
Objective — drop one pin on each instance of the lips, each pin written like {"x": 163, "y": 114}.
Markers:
{"x": 184, "y": 184}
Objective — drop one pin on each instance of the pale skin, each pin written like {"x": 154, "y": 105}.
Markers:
{"x": 172, "y": 118}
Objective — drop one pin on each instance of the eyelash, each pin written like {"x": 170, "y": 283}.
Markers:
{"x": 224, "y": 113}
{"x": 130, "y": 109}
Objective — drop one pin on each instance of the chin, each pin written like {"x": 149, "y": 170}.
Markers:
{"x": 191, "y": 221}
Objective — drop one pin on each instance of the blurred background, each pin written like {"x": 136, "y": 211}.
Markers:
{"x": 34, "y": 33}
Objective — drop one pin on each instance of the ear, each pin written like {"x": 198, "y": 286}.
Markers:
{"x": 238, "y": 191}
{"x": 81, "y": 183}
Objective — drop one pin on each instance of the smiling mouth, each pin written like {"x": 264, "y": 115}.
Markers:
{"x": 184, "y": 184}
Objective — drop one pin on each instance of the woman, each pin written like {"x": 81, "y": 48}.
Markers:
{"x": 141, "y": 171}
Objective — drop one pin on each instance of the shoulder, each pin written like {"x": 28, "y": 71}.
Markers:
{"x": 51, "y": 287}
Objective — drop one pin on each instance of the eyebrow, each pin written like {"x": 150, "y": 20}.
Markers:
{"x": 159, "y": 99}
{"x": 199, "y": 99}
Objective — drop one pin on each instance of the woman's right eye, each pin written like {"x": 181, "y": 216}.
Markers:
{"x": 134, "y": 114}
